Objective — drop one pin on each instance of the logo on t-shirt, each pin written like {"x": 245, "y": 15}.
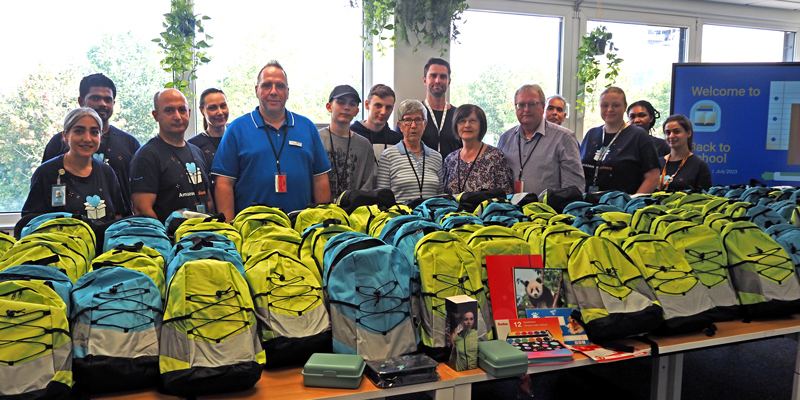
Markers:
{"x": 95, "y": 207}
{"x": 195, "y": 177}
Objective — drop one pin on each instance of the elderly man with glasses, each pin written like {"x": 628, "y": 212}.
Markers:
{"x": 541, "y": 154}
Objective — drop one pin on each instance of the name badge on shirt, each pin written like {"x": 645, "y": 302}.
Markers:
{"x": 280, "y": 183}
{"x": 293, "y": 143}
{"x": 58, "y": 197}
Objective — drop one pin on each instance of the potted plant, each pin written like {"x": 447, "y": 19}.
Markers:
{"x": 183, "y": 53}
{"x": 430, "y": 22}
{"x": 594, "y": 45}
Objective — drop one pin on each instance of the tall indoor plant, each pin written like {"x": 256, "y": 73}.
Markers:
{"x": 179, "y": 43}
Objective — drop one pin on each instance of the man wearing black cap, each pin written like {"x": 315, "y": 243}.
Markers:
{"x": 352, "y": 166}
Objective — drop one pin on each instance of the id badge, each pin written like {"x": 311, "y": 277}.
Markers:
{"x": 280, "y": 183}
{"x": 519, "y": 186}
{"x": 594, "y": 189}
{"x": 58, "y": 196}
{"x": 201, "y": 208}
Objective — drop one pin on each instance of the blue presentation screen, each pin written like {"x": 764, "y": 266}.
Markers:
{"x": 746, "y": 119}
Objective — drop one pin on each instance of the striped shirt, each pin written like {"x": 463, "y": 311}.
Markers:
{"x": 403, "y": 178}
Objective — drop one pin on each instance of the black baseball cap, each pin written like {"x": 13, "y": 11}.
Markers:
{"x": 343, "y": 90}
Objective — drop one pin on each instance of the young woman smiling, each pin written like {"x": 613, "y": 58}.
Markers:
{"x": 76, "y": 182}
{"x": 618, "y": 156}
{"x": 680, "y": 169}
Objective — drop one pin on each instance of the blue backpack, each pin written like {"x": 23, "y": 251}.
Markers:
{"x": 588, "y": 223}
{"x": 434, "y": 208}
{"x": 130, "y": 231}
{"x": 38, "y": 220}
{"x": 393, "y": 225}
{"x": 368, "y": 286}
{"x": 577, "y": 208}
{"x": 616, "y": 198}
{"x": 115, "y": 320}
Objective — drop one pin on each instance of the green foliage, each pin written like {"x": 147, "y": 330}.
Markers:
{"x": 430, "y": 22}
{"x": 182, "y": 52}
{"x": 29, "y": 116}
{"x": 493, "y": 91}
{"x": 133, "y": 66}
{"x": 593, "y": 45}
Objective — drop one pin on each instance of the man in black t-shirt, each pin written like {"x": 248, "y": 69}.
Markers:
{"x": 167, "y": 173}
{"x": 438, "y": 133}
{"x": 117, "y": 148}
{"x": 379, "y": 105}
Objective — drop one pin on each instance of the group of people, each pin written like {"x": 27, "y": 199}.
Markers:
{"x": 274, "y": 156}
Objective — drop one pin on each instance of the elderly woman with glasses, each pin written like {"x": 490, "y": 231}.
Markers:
{"x": 477, "y": 165}
{"x": 409, "y": 168}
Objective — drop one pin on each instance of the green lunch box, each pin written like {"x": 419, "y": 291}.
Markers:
{"x": 501, "y": 359}
{"x": 334, "y": 370}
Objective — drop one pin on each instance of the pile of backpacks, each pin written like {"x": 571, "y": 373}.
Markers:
{"x": 198, "y": 305}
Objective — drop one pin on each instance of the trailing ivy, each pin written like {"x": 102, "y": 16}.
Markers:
{"x": 183, "y": 53}
{"x": 429, "y": 22}
{"x": 595, "y": 44}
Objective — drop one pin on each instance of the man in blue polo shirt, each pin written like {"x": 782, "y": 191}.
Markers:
{"x": 271, "y": 155}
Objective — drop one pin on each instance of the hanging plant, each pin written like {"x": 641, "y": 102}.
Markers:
{"x": 429, "y": 22}
{"x": 183, "y": 53}
{"x": 594, "y": 45}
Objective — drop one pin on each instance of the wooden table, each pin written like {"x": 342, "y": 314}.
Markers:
{"x": 287, "y": 384}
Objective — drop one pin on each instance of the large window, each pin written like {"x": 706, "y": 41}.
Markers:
{"x": 735, "y": 44}
{"x": 317, "y": 42}
{"x": 49, "y": 47}
{"x": 497, "y": 53}
{"x": 646, "y": 72}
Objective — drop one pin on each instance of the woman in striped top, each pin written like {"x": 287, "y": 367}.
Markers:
{"x": 410, "y": 168}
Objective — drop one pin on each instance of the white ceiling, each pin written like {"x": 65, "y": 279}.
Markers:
{"x": 782, "y": 4}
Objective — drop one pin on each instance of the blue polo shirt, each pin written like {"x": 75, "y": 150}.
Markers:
{"x": 245, "y": 155}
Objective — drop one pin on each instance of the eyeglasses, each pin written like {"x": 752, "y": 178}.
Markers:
{"x": 267, "y": 86}
{"x": 463, "y": 122}
{"x": 409, "y": 121}
{"x": 522, "y": 106}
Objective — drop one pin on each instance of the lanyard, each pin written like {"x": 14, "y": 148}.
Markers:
{"x": 183, "y": 164}
{"x": 269, "y": 137}
{"x": 339, "y": 180}
{"x": 440, "y": 124}
{"x": 420, "y": 183}
{"x": 605, "y": 149}
{"x": 662, "y": 185}
{"x": 519, "y": 150}
{"x": 466, "y": 176}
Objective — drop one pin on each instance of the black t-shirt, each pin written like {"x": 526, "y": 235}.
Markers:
{"x": 445, "y": 142}
{"x": 116, "y": 149}
{"x": 162, "y": 169}
{"x": 380, "y": 140}
{"x": 630, "y": 157}
{"x": 208, "y": 147}
{"x": 100, "y": 190}
{"x": 694, "y": 174}
{"x": 662, "y": 148}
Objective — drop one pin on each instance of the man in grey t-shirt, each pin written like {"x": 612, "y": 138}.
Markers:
{"x": 352, "y": 160}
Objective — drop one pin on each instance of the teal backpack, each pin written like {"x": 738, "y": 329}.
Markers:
{"x": 115, "y": 322}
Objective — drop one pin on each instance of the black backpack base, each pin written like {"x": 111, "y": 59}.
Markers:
{"x": 103, "y": 374}
{"x": 620, "y": 326}
{"x": 211, "y": 380}
{"x": 770, "y": 309}
{"x": 284, "y": 351}
{"x": 440, "y": 354}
